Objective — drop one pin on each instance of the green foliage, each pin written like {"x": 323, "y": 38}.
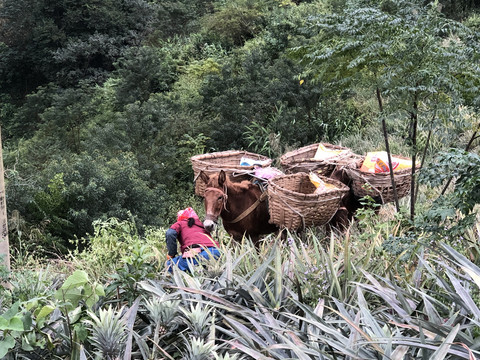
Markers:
{"x": 234, "y": 22}
{"x": 371, "y": 227}
{"x": 100, "y": 152}
{"x": 131, "y": 174}
{"x": 457, "y": 9}
{"x": 30, "y": 284}
{"x": 198, "y": 349}
{"x": 76, "y": 296}
{"x": 180, "y": 17}
{"x": 116, "y": 245}
{"x": 4, "y": 272}
{"x": 67, "y": 117}
{"x": 10, "y": 321}
{"x": 141, "y": 72}
{"x": 405, "y": 53}
{"x": 377, "y": 42}
{"x": 77, "y": 290}
{"x": 49, "y": 206}
{"x": 84, "y": 40}
{"x": 104, "y": 188}
{"x": 163, "y": 311}
{"x": 378, "y": 314}
{"x": 402, "y": 246}
{"x": 262, "y": 141}
{"x": 139, "y": 265}
{"x": 24, "y": 120}
{"x": 49, "y": 322}
{"x": 452, "y": 213}
{"x": 124, "y": 107}
{"x": 249, "y": 90}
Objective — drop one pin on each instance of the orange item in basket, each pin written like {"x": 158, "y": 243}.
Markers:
{"x": 377, "y": 162}
{"x": 382, "y": 166}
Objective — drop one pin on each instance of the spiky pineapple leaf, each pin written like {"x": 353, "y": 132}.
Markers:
{"x": 244, "y": 333}
{"x": 254, "y": 353}
{"x": 467, "y": 302}
{"x": 130, "y": 316}
{"x": 443, "y": 350}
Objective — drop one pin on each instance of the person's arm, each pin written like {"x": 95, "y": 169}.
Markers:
{"x": 171, "y": 239}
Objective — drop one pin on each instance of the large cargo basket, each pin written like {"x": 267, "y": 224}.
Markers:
{"x": 293, "y": 204}
{"x": 379, "y": 185}
{"x": 228, "y": 161}
{"x": 302, "y": 160}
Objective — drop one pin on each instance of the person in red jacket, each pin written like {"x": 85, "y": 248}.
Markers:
{"x": 195, "y": 242}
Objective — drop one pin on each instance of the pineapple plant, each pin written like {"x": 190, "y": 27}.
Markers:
{"x": 109, "y": 333}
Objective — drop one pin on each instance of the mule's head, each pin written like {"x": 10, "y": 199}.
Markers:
{"x": 215, "y": 198}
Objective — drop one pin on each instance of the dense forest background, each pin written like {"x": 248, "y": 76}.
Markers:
{"x": 102, "y": 103}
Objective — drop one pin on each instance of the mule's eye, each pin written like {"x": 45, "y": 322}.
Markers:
{"x": 220, "y": 198}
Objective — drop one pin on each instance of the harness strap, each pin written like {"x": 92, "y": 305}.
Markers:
{"x": 247, "y": 212}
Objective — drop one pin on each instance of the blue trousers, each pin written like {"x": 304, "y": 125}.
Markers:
{"x": 185, "y": 264}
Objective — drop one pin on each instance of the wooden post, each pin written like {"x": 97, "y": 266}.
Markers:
{"x": 4, "y": 246}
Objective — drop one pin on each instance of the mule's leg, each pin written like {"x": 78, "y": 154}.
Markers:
{"x": 282, "y": 234}
{"x": 255, "y": 241}
{"x": 237, "y": 236}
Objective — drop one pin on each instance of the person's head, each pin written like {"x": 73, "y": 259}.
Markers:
{"x": 187, "y": 214}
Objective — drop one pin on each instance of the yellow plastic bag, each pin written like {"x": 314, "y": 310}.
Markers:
{"x": 319, "y": 183}
{"x": 324, "y": 153}
{"x": 321, "y": 186}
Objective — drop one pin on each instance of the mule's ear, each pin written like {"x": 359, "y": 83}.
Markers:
{"x": 204, "y": 177}
{"x": 221, "y": 178}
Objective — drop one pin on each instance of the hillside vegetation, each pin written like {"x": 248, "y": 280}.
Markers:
{"x": 102, "y": 104}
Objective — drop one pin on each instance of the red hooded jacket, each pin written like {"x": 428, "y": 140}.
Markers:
{"x": 195, "y": 235}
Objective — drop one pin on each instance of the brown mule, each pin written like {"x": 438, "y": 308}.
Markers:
{"x": 241, "y": 205}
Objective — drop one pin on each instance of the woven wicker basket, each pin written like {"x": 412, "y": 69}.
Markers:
{"x": 301, "y": 160}
{"x": 379, "y": 184}
{"x": 293, "y": 205}
{"x": 228, "y": 161}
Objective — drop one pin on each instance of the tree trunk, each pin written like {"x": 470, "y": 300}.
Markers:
{"x": 4, "y": 245}
{"x": 424, "y": 156}
{"x": 413, "y": 137}
{"x": 387, "y": 148}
